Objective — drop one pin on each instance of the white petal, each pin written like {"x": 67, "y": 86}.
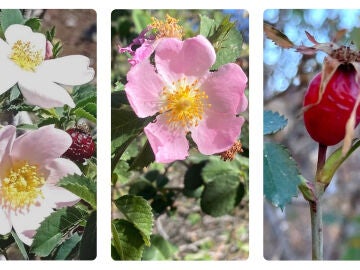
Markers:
{"x": 25, "y": 224}
{"x": 44, "y": 93}
{"x": 7, "y": 137}
{"x": 58, "y": 197}
{"x": 8, "y": 75}
{"x": 41, "y": 146}
{"x": 5, "y": 225}
{"x": 59, "y": 168}
{"x": 68, "y": 70}
{"x": 24, "y": 33}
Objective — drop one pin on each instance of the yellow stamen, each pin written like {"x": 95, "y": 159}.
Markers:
{"x": 184, "y": 104}
{"x": 24, "y": 55}
{"x": 167, "y": 28}
{"x": 21, "y": 186}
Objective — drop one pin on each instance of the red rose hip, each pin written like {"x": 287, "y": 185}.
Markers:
{"x": 82, "y": 147}
{"x": 326, "y": 120}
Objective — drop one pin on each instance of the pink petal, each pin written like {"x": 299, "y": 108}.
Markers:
{"x": 217, "y": 132}
{"x": 58, "y": 197}
{"x": 143, "y": 89}
{"x": 191, "y": 58}
{"x": 40, "y": 91}
{"x": 167, "y": 144}
{"x": 142, "y": 53}
{"x": 7, "y": 137}
{"x": 5, "y": 224}
{"x": 225, "y": 89}
{"x": 27, "y": 222}
{"x": 40, "y": 145}
{"x": 59, "y": 168}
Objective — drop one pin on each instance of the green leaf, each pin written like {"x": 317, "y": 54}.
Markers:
{"x": 223, "y": 189}
{"x": 281, "y": 175}
{"x": 9, "y": 17}
{"x": 125, "y": 124}
{"x": 160, "y": 249}
{"x": 273, "y": 122}
{"x": 34, "y": 24}
{"x": 142, "y": 188}
{"x": 138, "y": 212}
{"x": 20, "y": 245}
{"x": 141, "y": 19}
{"x": 121, "y": 172}
{"x": 87, "y": 113}
{"x": 227, "y": 41}
{"x": 334, "y": 161}
{"x": 14, "y": 93}
{"x": 82, "y": 93}
{"x": 127, "y": 240}
{"x": 81, "y": 186}
{"x": 67, "y": 247}
{"x": 193, "y": 178}
{"x": 118, "y": 99}
{"x": 89, "y": 239}
{"x": 54, "y": 228}
{"x": 144, "y": 158}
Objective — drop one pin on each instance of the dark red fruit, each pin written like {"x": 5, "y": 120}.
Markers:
{"x": 82, "y": 147}
{"x": 326, "y": 120}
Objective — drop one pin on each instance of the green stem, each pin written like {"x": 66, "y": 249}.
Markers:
{"x": 316, "y": 210}
{"x": 316, "y": 228}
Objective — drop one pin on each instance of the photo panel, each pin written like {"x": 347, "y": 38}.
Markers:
{"x": 311, "y": 99}
{"x": 48, "y": 134}
{"x": 179, "y": 134}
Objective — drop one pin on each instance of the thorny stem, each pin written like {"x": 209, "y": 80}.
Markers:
{"x": 316, "y": 210}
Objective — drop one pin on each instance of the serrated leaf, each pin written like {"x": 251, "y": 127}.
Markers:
{"x": 138, "y": 212}
{"x": 160, "y": 249}
{"x": 281, "y": 175}
{"x": 83, "y": 113}
{"x": 53, "y": 229}
{"x": 34, "y": 24}
{"x": 127, "y": 240}
{"x": 81, "y": 186}
{"x": 89, "y": 239}
{"x": 227, "y": 41}
{"x": 223, "y": 188}
{"x": 67, "y": 247}
{"x": 9, "y": 17}
{"x": 273, "y": 122}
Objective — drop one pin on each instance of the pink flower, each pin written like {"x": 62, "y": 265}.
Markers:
{"x": 188, "y": 97}
{"x": 30, "y": 168}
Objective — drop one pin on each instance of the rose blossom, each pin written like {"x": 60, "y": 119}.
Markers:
{"x": 30, "y": 168}
{"x": 23, "y": 61}
{"x": 188, "y": 97}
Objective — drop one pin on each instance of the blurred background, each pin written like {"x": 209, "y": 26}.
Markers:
{"x": 286, "y": 77}
{"x": 193, "y": 234}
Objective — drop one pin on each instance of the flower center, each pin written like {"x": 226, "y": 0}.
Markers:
{"x": 167, "y": 28}
{"x": 24, "y": 55}
{"x": 184, "y": 104}
{"x": 21, "y": 186}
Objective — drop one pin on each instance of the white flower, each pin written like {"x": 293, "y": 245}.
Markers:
{"x": 30, "y": 169}
{"x": 22, "y": 61}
